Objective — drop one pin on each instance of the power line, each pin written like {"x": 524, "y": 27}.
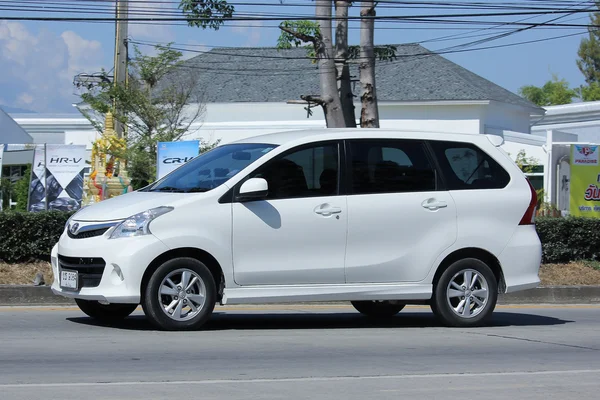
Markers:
{"x": 312, "y": 70}
{"x": 217, "y": 50}
{"x": 297, "y": 18}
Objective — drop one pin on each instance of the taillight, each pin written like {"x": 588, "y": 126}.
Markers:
{"x": 529, "y": 216}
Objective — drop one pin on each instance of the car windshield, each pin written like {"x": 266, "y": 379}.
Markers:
{"x": 211, "y": 169}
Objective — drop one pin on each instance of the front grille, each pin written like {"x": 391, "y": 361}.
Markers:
{"x": 90, "y": 270}
{"x": 88, "y": 234}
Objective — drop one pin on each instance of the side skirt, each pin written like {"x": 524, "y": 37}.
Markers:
{"x": 314, "y": 293}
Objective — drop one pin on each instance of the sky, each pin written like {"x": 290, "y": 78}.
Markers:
{"x": 38, "y": 59}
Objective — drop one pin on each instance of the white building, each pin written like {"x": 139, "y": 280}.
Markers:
{"x": 565, "y": 125}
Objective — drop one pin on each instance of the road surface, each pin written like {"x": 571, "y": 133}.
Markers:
{"x": 301, "y": 352}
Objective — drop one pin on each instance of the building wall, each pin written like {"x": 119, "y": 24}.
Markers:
{"x": 505, "y": 117}
{"x": 581, "y": 119}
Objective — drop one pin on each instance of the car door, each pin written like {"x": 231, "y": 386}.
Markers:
{"x": 399, "y": 218}
{"x": 297, "y": 234}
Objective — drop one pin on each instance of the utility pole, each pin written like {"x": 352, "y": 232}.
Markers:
{"x": 121, "y": 14}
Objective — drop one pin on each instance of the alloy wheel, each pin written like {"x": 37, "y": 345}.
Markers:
{"x": 467, "y": 293}
{"x": 182, "y": 294}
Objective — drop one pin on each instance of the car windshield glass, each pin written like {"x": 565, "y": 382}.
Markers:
{"x": 211, "y": 169}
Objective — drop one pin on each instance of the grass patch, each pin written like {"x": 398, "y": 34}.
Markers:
{"x": 580, "y": 273}
{"x": 24, "y": 274}
{"x": 592, "y": 264}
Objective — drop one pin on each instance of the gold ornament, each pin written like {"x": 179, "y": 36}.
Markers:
{"x": 108, "y": 177}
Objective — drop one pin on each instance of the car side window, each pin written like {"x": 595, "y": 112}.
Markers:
{"x": 466, "y": 166}
{"x": 390, "y": 166}
{"x": 308, "y": 172}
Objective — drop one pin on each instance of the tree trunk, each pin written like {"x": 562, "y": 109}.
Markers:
{"x": 369, "y": 114}
{"x": 341, "y": 58}
{"x": 332, "y": 106}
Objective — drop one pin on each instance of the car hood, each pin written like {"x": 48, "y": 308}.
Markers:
{"x": 124, "y": 206}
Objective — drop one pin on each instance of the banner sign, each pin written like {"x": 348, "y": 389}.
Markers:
{"x": 37, "y": 191}
{"x": 584, "y": 200}
{"x": 172, "y": 155}
{"x": 65, "y": 167}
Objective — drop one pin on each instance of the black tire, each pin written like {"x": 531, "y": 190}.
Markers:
{"x": 105, "y": 312}
{"x": 153, "y": 305}
{"x": 443, "y": 307}
{"x": 377, "y": 309}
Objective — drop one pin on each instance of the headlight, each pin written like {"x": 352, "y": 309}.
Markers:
{"x": 138, "y": 224}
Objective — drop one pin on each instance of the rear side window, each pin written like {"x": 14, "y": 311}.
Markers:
{"x": 390, "y": 166}
{"x": 465, "y": 166}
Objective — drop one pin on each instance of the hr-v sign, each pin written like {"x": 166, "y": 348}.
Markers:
{"x": 64, "y": 160}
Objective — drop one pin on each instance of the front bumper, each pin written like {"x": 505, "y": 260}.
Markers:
{"x": 126, "y": 260}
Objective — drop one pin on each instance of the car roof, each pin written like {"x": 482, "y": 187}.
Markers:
{"x": 309, "y": 135}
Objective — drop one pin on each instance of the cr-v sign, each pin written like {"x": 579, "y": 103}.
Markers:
{"x": 176, "y": 160}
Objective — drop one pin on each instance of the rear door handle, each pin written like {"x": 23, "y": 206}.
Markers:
{"x": 326, "y": 210}
{"x": 433, "y": 204}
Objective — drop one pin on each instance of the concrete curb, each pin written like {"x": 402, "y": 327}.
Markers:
{"x": 42, "y": 296}
{"x": 554, "y": 295}
{"x": 16, "y": 295}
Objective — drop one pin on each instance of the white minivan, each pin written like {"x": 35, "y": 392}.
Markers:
{"x": 379, "y": 218}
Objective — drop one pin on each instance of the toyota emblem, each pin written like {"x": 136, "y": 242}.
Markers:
{"x": 74, "y": 228}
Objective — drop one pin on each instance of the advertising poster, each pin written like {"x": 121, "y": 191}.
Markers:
{"x": 172, "y": 155}
{"x": 65, "y": 167}
{"x": 585, "y": 181}
{"x": 37, "y": 192}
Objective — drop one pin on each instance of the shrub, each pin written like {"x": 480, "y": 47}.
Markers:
{"x": 569, "y": 239}
{"x": 26, "y": 237}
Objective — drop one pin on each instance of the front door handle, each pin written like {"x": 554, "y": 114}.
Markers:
{"x": 433, "y": 204}
{"x": 326, "y": 210}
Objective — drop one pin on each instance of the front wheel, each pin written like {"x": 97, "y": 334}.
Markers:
{"x": 465, "y": 294}
{"x": 180, "y": 295}
{"x": 105, "y": 312}
{"x": 378, "y": 309}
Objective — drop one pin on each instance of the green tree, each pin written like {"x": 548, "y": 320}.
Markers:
{"x": 589, "y": 50}
{"x": 207, "y": 13}
{"x": 159, "y": 103}
{"x": 21, "y": 190}
{"x": 590, "y": 92}
{"x": 554, "y": 92}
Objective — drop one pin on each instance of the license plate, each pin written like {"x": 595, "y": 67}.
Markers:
{"x": 68, "y": 279}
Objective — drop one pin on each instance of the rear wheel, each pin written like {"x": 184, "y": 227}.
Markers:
{"x": 105, "y": 312}
{"x": 180, "y": 295}
{"x": 378, "y": 309}
{"x": 465, "y": 295}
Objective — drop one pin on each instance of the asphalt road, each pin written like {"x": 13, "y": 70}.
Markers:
{"x": 302, "y": 352}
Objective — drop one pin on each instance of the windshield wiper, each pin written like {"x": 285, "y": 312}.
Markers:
{"x": 197, "y": 190}
{"x": 168, "y": 189}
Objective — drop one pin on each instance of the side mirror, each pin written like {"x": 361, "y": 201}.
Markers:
{"x": 253, "y": 189}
